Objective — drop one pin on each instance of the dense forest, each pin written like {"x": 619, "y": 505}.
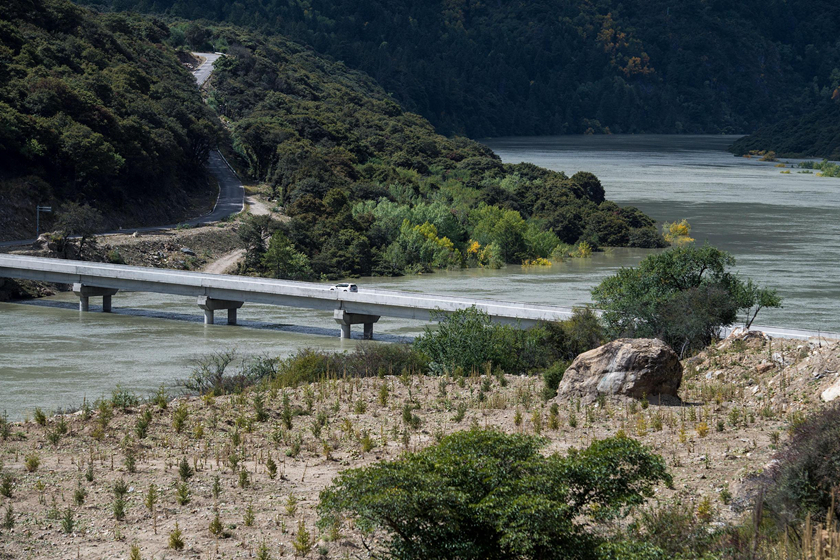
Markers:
{"x": 96, "y": 109}
{"x": 816, "y": 134}
{"x": 373, "y": 189}
{"x": 540, "y": 67}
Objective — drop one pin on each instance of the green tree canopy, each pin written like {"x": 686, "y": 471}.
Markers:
{"x": 486, "y": 495}
{"x": 683, "y": 295}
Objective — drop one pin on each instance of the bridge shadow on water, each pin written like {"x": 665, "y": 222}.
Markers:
{"x": 221, "y": 320}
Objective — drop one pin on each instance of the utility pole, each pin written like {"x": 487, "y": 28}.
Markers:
{"x": 38, "y": 210}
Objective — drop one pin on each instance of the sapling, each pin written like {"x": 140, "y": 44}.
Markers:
{"x": 249, "y": 515}
{"x": 150, "y": 502}
{"x": 182, "y": 493}
{"x": 176, "y": 538}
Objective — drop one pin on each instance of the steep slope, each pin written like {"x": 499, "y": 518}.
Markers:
{"x": 816, "y": 134}
{"x": 96, "y": 109}
{"x": 371, "y": 188}
{"x": 547, "y": 67}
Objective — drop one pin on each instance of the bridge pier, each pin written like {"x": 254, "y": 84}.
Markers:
{"x": 84, "y": 294}
{"x": 345, "y": 319}
{"x": 209, "y": 305}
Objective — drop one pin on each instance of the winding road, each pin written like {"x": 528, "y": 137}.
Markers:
{"x": 231, "y": 199}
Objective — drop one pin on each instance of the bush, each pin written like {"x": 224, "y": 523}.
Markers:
{"x": 210, "y": 374}
{"x": 552, "y": 378}
{"x": 805, "y": 479}
{"x": 484, "y": 494}
{"x": 580, "y": 333}
{"x": 367, "y": 360}
{"x": 683, "y": 296}
{"x": 468, "y": 339}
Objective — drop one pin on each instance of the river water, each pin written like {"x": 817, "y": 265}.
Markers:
{"x": 782, "y": 229}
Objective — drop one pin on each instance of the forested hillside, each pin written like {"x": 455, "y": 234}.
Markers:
{"x": 96, "y": 109}
{"x": 816, "y": 134}
{"x": 371, "y": 188}
{"x": 545, "y": 67}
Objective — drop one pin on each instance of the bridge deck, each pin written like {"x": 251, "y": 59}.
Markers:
{"x": 309, "y": 295}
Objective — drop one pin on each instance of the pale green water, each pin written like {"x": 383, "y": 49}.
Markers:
{"x": 782, "y": 228}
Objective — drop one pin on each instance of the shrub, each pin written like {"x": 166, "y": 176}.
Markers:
{"x": 552, "y": 378}
{"x": 468, "y": 339}
{"x": 804, "y": 481}
{"x": 486, "y": 494}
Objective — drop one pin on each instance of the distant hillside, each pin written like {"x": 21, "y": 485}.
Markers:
{"x": 373, "y": 189}
{"x": 96, "y": 109}
{"x": 816, "y": 134}
{"x": 549, "y": 67}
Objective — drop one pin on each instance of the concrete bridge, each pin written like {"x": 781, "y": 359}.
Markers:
{"x": 214, "y": 292}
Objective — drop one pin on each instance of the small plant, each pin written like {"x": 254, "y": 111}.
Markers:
{"x": 182, "y": 493}
{"x": 573, "y": 421}
{"x": 9, "y": 518}
{"x": 217, "y": 488}
{"x": 249, "y": 515}
{"x": 130, "y": 461}
{"x": 89, "y": 472}
{"x": 286, "y": 411}
{"x": 244, "y": 480}
{"x": 537, "y": 421}
{"x": 79, "y": 495}
{"x": 53, "y": 437}
{"x": 517, "y": 417}
{"x": 6, "y": 485}
{"x": 185, "y": 471}
{"x": 382, "y": 397}
{"x": 150, "y": 501}
{"x": 294, "y": 448}
{"x": 366, "y": 442}
{"x": 39, "y": 417}
{"x": 179, "y": 418}
{"x": 553, "y": 417}
{"x": 134, "y": 552}
{"x": 68, "y": 521}
{"x": 705, "y": 510}
{"x": 160, "y": 398}
{"x": 271, "y": 468}
{"x": 303, "y": 542}
{"x": 291, "y": 505}
{"x": 216, "y": 529}
{"x": 260, "y": 413}
{"x": 725, "y": 496}
{"x": 120, "y": 488}
{"x": 32, "y": 462}
{"x": 118, "y": 508}
{"x": 176, "y": 538}
{"x": 702, "y": 429}
{"x": 460, "y": 411}
{"x": 360, "y": 407}
{"x": 263, "y": 552}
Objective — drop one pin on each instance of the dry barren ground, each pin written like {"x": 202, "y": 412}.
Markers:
{"x": 739, "y": 398}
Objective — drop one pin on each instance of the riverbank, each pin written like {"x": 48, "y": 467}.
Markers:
{"x": 739, "y": 399}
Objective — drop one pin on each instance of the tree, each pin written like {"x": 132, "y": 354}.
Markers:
{"x": 682, "y": 296}
{"x": 484, "y": 494}
{"x": 283, "y": 261}
{"x": 754, "y": 298}
{"x": 81, "y": 222}
{"x": 254, "y": 233}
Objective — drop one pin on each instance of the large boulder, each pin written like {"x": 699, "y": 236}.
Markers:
{"x": 631, "y": 367}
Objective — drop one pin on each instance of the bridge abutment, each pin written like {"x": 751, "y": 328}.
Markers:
{"x": 210, "y": 305}
{"x": 84, "y": 294}
{"x": 345, "y": 319}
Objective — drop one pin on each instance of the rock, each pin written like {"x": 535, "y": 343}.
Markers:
{"x": 187, "y": 251}
{"x": 632, "y": 367}
{"x": 763, "y": 368}
{"x": 832, "y": 392}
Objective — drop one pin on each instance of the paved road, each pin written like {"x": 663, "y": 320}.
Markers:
{"x": 202, "y": 73}
{"x": 231, "y": 198}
